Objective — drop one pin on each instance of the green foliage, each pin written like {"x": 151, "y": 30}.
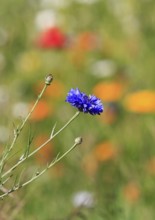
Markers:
{"x": 123, "y": 183}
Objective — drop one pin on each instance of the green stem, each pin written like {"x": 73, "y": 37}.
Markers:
{"x": 40, "y": 147}
{"x": 18, "y": 131}
{"x": 27, "y": 117}
{"x": 40, "y": 173}
{"x": 25, "y": 120}
{"x": 53, "y": 136}
{"x": 33, "y": 107}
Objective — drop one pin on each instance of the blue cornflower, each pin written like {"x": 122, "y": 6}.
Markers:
{"x": 87, "y": 104}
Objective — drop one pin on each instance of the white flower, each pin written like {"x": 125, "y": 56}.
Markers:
{"x": 103, "y": 68}
{"x": 83, "y": 198}
{"x": 45, "y": 19}
{"x": 54, "y": 3}
{"x": 20, "y": 109}
{"x": 4, "y": 96}
{"x": 86, "y": 1}
{"x": 123, "y": 10}
{"x": 4, "y": 134}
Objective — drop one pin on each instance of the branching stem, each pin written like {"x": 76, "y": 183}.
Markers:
{"x": 20, "y": 128}
{"x": 38, "y": 174}
{"x": 41, "y": 146}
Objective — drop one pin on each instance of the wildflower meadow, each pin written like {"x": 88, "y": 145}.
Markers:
{"x": 77, "y": 107}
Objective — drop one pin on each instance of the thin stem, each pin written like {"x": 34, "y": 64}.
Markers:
{"x": 9, "y": 177}
{"x": 33, "y": 107}
{"x": 18, "y": 131}
{"x": 51, "y": 165}
{"x": 40, "y": 147}
{"x": 61, "y": 129}
{"x": 40, "y": 173}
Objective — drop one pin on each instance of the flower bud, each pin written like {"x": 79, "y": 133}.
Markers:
{"x": 48, "y": 79}
{"x": 78, "y": 140}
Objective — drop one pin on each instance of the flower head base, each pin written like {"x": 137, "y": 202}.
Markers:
{"x": 48, "y": 79}
{"x": 87, "y": 104}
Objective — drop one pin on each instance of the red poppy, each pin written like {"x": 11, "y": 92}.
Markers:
{"x": 52, "y": 38}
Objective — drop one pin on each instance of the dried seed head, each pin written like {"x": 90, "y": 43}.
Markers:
{"x": 78, "y": 140}
{"x": 48, "y": 79}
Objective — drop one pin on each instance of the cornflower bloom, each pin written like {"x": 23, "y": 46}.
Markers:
{"x": 87, "y": 104}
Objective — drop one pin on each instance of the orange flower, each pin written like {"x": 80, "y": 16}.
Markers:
{"x": 46, "y": 153}
{"x": 77, "y": 57}
{"x": 151, "y": 166}
{"x": 105, "y": 151}
{"x": 86, "y": 41}
{"x": 109, "y": 91}
{"x": 83, "y": 43}
{"x": 90, "y": 165}
{"x": 140, "y": 102}
{"x": 131, "y": 192}
{"x": 58, "y": 170}
{"x": 41, "y": 111}
{"x": 55, "y": 90}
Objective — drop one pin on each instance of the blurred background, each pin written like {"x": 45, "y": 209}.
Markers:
{"x": 105, "y": 48}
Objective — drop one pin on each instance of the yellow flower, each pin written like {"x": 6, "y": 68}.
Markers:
{"x": 140, "y": 102}
{"x": 29, "y": 62}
